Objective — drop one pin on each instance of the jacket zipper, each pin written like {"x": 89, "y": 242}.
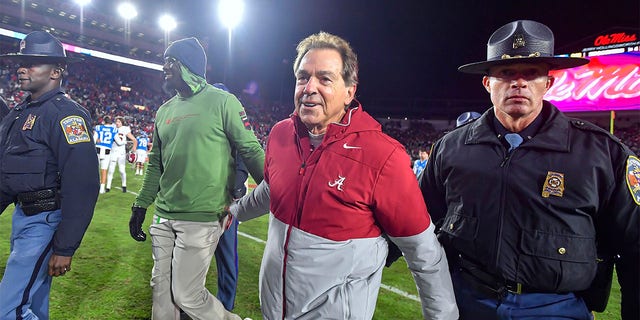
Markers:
{"x": 504, "y": 165}
{"x": 301, "y": 172}
{"x": 302, "y": 167}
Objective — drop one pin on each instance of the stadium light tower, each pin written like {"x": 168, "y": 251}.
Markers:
{"x": 167, "y": 23}
{"x": 82, "y": 4}
{"x": 230, "y": 14}
{"x": 127, "y": 11}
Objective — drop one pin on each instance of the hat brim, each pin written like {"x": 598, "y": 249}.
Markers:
{"x": 37, "y": 57}
{"x": 555, "y": 63}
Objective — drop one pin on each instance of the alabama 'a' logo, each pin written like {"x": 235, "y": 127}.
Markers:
{"x": 338, "y": 183}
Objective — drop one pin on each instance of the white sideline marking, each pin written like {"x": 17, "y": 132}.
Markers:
{"x": 383, "y": 286}
{"x": 252, "y": 237}
{"x": 395, "y": 290}
{"x": 400, "y": 292}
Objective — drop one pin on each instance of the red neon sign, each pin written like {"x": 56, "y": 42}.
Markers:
{"x": 606, "y": 83}
{"x": 614, "y": 38}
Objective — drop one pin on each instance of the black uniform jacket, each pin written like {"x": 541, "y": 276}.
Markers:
{"x": 535, "y": 216}
{"x": 46, "y": 144}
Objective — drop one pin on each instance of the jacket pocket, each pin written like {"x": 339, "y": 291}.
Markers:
{"x": 460, "y": 226}
{"x": 24, "y": 172}
{"x": 564, "y": 262}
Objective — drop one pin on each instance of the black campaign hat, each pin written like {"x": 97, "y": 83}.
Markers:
{"x": 40, "y": 45}
{"x": 522, "y": 41}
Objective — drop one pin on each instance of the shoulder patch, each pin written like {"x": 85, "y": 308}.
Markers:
{"x": 245, "y": 120}
{"x": 74, "y": 129}
{"x": 633, "y": 178}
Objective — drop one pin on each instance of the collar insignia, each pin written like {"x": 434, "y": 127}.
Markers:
{"x": 553, "y": 185}
{"x": 31, "y": 120}
{"x": 633, "y": 178}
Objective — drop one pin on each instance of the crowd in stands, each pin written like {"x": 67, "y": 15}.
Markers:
{"x": 631, "y": 137}
{"x": 414, "y": 137}
{"x": 112, "y": 89}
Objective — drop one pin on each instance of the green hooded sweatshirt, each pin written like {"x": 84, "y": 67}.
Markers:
{"x": 191, "y": 168}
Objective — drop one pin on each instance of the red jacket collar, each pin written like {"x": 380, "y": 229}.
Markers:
{"x": 355, "y": 120}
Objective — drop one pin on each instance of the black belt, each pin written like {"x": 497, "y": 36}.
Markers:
{"x": 487, "y": 283}
{"x": 35, "y": 202}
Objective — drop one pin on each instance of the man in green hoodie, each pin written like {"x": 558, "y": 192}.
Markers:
{"x": 189, "y": 179}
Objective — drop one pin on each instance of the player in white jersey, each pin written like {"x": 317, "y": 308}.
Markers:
{"x": 144, "y": 146}
{"x": 103, "y": 135}
{"x": 119, "y": 153}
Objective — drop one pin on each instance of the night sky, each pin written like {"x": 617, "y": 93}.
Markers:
{"x": 409, "y": 51}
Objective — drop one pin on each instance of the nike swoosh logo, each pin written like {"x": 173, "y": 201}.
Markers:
{"x": 346, "y": 146}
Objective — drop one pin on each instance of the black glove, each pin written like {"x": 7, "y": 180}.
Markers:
{"x": 135, "y": 223}
{"x": 394, "y": 252}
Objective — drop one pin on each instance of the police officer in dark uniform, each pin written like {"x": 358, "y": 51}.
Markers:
{"x": 534, "y": 207}
{"x": 49, "y": 170}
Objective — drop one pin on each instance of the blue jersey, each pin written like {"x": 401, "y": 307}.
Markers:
{"x": 143, "y": 143}
{"x": 105, "y": 133}
{"x": 419, "y": 165}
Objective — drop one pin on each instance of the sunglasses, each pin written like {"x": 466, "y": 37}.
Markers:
{"x": 171, "y": 62}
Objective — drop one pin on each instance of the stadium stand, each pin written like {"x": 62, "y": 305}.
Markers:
{"x": 114, "y": 89}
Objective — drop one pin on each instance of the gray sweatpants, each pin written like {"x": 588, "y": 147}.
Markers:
{"x": 182, "y": 252}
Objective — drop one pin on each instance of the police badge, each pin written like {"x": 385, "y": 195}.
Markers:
{"x": 553, "y": 185}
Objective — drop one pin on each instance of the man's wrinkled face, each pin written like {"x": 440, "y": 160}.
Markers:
{"x": 321, "y": 95}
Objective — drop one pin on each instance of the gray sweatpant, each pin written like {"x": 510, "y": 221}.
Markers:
{"x": 182, "y": 252}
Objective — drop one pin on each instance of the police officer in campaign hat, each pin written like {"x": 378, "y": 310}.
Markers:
{"x": 534, "y": 208}
{"x": 49, "y": 170}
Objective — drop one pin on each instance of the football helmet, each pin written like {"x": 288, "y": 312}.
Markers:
{"x": 132, "y": 157}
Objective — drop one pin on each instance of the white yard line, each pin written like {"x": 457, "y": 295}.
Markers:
{"x": 252, "y": 237}
{"x": 400, "y": 292}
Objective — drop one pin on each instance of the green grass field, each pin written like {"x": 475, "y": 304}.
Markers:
{"x": 110, "y": 272}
